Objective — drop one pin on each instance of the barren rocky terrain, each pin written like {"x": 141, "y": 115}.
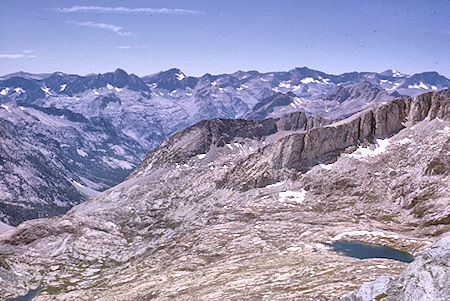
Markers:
{"x": 247, "y": 210}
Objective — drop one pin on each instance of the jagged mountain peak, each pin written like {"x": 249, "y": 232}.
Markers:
{"x": 120, "y": 74}
{"x": 171, "y": 80}
{"x": 305, "y": 71}
{"x": 120, "y": 71}
{"x": 393, "y": 73}
{"x": 172, "y": 72}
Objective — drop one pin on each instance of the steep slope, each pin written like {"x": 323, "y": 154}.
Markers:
{"x": 95, "y": 129}
{"x": 39, "y": 185}
{"x": 274, "y": 106}
{"x": 52, "y": 159}
{"x": 167, "y": 233}
{"x": 345, "y": 101}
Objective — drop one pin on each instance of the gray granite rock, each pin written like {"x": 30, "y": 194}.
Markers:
{"x": 426, "y": 278}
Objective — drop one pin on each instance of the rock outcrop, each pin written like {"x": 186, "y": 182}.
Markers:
{"x": 426, "y": 278}
{"x": 201, "y": 137}
{"x": 299, "y": 151}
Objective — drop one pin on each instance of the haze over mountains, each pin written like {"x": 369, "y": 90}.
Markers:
{"x": 65, "y": 137}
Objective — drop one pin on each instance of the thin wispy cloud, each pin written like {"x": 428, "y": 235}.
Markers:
{"x": 123, "y": 47}
{"x": 114, "y": 28}
{"x": 128, "y": 10}
{"x": 12, "y": 56}
{"x": 126, "y": 47}
{"x": 22, "y": 54}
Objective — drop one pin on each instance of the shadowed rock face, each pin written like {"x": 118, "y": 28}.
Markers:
{"x": 263, "y": 231}
{"x": 199, "y": 138}
{"x": 263, "y": 109}
{"x": 300, "y": 151}
{"x": 426, "y": 278}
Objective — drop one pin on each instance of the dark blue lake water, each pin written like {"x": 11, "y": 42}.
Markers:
{"x": 364, "y": 250}
{"x": 29, "y": 296}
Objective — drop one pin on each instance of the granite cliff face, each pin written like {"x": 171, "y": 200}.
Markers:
{"x": 217, "y": 133}
{"x": 183, "y": 227}
{"x": 301, "y": 150}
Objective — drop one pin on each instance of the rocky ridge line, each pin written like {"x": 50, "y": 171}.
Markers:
{"x": 298, "y": 152}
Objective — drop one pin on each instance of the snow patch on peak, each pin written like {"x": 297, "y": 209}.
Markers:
{"x": 296, "y": 196}
{"x": 363, "y": 152}
{"x": 284, "y": 85}
{"x": 109, "y": 86}
{"x": 180, "y": 76}
{"x": 308, "y": 80}
{"x": 275, "y": 184}
{"x": 6, "y": 108}
{"x": 395, "y": 86}
{"x": 326, "y": 166}
{"x": 19, "y": 90}
{"x": 418, "y": 86}
{"x": 405, "y": 140}
{"x": 46, "y": 90}
{"x": 62, "y": 87}
{"x": 81, "y": 152}
{"x": 395, "y": 73}
{"x": 4, "y": 91}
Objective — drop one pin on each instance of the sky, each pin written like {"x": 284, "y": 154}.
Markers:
{"x": 209, "y": 36}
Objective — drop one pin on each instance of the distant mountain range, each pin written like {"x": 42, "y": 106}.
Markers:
{"x": 65, "y": 137}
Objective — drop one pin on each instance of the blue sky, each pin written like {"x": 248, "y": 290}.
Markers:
{"x": 200, "y": 36}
